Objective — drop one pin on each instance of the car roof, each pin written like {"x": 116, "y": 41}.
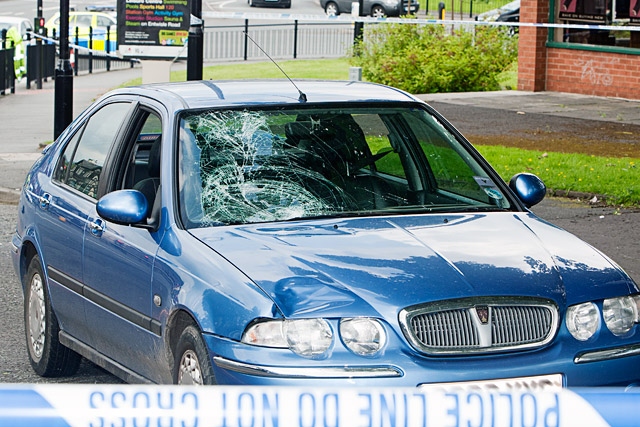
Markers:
{"x": 212, "y": 93}
{"x": 13, "y": 19}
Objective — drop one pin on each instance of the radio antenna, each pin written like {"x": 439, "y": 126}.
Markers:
{"x": 302, "y": 97}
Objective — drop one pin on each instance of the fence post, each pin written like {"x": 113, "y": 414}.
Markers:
{"x": 108, "y": 47}
{"x": 295, "y": 39}
{"x": 90, "y": 44}
{"x": 3, "y": 62}
{"x": 246, "y": 38}
{"x": 76, "y": 65}
{"x": 40, "y": 62}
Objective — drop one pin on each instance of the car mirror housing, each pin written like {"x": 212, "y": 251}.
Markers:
{"x": 128, "y": 207}
{"x": 529, "y": 188}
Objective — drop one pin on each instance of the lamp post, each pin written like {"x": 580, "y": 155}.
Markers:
{"x": 358, "y": 27}
{"x": 63, "y": 90}
{"x": 195, "y": 42}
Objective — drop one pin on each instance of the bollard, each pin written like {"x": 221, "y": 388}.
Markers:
{"x": 355, "y": 74}
{"x": 195, "y": 49}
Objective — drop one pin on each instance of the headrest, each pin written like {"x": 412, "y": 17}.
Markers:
{"x": 153, "y": 167}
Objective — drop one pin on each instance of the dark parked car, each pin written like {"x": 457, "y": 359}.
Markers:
{"x": 329, "y": 233}
{"x": 510, "y": 16}
{"x": 375, "y": 8}
{"x": 270, "y": 3}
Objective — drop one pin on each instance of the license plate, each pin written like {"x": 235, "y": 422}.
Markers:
{"x": 537, "y": 383}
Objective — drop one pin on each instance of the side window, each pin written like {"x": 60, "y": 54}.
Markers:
{"x": 81, "y": 163}
{"x": 143, "y": 166}
{"x": 84, "y": 21}
{"x": 383, "y": 156}
{"x": 103, "y": 21}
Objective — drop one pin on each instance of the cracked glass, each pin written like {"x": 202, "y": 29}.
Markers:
{"x": 251, "y": 165}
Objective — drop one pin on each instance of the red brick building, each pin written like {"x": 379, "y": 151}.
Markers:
{"x": 590, "y": 62}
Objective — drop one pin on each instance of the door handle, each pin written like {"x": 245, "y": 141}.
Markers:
{"x": 45, "y": 201}
{"x": 97, "y": 227}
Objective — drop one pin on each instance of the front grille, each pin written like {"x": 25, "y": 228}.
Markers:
{"x": 480, "y": 325}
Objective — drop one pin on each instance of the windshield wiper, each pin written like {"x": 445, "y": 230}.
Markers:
{"x": 441, "y": 208}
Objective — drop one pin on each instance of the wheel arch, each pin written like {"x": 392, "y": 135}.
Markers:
{"x": 28, "y": 250}
{"x": 334, "y": 4}
{"x": 373, "y": 6}
{"x": 176, "y": 323}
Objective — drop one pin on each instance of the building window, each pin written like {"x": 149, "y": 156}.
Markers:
{"x": 611, "y": 14}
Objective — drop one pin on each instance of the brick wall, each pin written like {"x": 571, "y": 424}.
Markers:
{"x": 593, "y": 73}
{"x": 571, "y": 70}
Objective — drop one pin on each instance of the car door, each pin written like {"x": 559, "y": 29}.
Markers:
{"x": 119, "y": 259}
{"x": 65, "y": 202}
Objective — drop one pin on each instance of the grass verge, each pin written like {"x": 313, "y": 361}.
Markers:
{"x": 616, "y": 179}
{"x": 331, "y": 69}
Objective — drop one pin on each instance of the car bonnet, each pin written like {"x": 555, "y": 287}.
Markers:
{"x": 378, "y": 265}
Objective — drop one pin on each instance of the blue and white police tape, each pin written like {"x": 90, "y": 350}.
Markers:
{"x": 129, "y": 405}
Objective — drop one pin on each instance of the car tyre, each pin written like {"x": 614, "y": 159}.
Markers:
{"x": 331, "y": 9}
{"x": 48, "y": 357}
{"x": 193, "y": 364}
{"x": 378, "y": 12}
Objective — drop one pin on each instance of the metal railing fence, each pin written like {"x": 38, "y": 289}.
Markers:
{"x": 7, "y": 68}
{"x": 461, "y": 8}
{"x": 280, "y": 40}
{"x": 41, "y": 63}
{"x": 7, "y": 72}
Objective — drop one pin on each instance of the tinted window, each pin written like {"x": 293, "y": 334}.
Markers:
{"x": 82, "y": 160}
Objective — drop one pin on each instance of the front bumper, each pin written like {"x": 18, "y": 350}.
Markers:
{"x": 236, "y": 363}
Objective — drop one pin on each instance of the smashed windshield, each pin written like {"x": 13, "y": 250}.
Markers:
{"x": 247, "y": 166}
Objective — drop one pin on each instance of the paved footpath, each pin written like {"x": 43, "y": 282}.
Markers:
{"x": 27, "y": 118}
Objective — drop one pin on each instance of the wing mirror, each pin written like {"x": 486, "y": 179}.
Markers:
{"x": 127, "y": 207}
{"x": 529, "y": 188}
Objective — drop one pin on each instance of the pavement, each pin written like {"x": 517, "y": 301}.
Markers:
{"x": 559, "y": 104}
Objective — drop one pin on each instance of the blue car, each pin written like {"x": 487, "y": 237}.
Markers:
{"x": 314, "y": 233}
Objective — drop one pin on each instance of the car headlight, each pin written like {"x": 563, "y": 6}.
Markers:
{"x": 266, "y": 334}
{"x": 583, "y": 320}
{"x": 621, "y": 313}
{"x": 305, "y": 337}
{"x": 363, "y": 336}
{"x": 308, "y": 337}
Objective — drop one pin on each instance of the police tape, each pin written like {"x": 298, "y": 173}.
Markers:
{"x": 222, "y": 406}
{"x": 349, "y": 19}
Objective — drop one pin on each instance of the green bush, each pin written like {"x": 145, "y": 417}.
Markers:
{"x": 431, "y": 59}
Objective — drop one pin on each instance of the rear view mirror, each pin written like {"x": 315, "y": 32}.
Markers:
{"x": 529, "y": 188}
{"x": 128, "y": 207}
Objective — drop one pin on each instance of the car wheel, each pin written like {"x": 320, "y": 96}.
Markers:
{"x": 251, "y": 3}
{"x": 378, "y": 12}
{"x": 48, "y": 357}
{"x": 193, "y": 365}
{"x": 331, "y": 9}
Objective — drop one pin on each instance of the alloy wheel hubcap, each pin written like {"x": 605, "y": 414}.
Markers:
{"x": 36, "y": 317}
{"x": 190, "y": 372}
